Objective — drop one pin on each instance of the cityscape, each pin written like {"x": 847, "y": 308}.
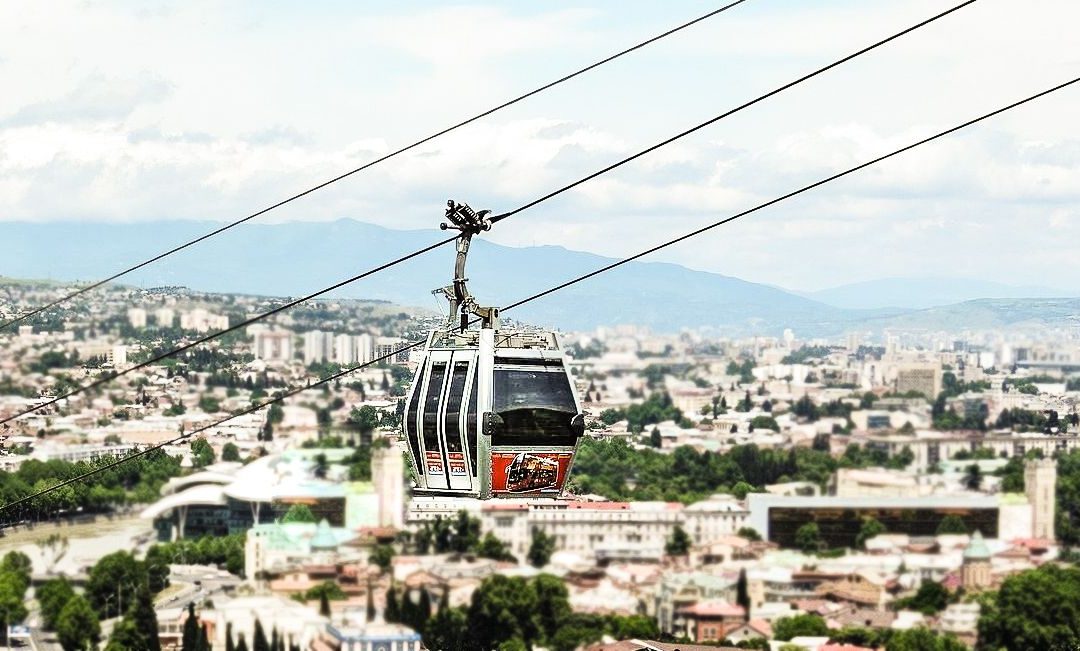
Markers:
{"x": 874, "y": 491}
{"x": 517, "y": 326}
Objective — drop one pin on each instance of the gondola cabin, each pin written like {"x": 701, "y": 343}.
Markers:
{"x": 492, "y": 414}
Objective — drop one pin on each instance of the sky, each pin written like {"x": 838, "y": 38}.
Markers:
{"x": 142, "y": 111}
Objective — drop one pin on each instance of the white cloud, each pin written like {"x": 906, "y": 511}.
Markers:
{"x": 205, "y": 110}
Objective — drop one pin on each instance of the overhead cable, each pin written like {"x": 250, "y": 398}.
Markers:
{"x": 556, "y": 288}
{"x": 495, "y": 219}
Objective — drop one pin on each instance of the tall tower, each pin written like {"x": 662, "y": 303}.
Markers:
{"x": 1040, "y": 480}
{"x": 388, "y": 476}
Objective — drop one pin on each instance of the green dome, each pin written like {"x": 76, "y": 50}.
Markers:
{"x": 977, "y": 549}
{"x": 323, "y": 539}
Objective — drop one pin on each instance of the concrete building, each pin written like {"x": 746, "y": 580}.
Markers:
{"x": 201, "y": 320}
{"x": 929, "y": 448}
{"x": 137, "y": 318}
{"x": 1040, "y": 482}
{"x": 777, "y": 518}
{"x": 919, "y": 378}
{"x": 599, "y": 531}
{"x": 318, "y": 346}
{"x": 274, "y": 345}
{"x": 164, "y": 317}
{"x": 387, "y": 473}
{"x": 365, "y": 348}
{"x": 345, "y": 350}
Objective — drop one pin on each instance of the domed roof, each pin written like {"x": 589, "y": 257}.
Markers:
{"x": 976, "y": 549}
{"x": 324, "y": 538}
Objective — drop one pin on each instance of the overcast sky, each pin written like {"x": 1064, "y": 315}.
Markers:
{"x": 208, "y": 110}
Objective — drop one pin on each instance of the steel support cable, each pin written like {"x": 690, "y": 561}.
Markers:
{"x": 601, "y": 270}
{"x": 738, "y": 108}
{"x": 499, "y": 218}
{"x": 373, "y": 163}
{"x": 805, "y": 188}
{"x": 105, "y": 379}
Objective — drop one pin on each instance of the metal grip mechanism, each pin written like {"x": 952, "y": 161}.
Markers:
{"x": 468, "y": 222}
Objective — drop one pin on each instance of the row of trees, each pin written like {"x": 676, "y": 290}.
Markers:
{"x": 517, "y": 613}
{"x": 136, "y": 481}
{"x": 616, "y": 470}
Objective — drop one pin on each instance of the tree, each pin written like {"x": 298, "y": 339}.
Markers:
{"x": 679, "y": 544}
{"x": 258, "y": 638}
{"x": 922, "y": 639}
{"x": 808, "y": 537}
{"x": 493, "y": 548}
{"x": 189, "y": 640}
{"x": 552, "y": 602}
{"x": 742, "y": 593}
{"x": 12, "y": 599}
{"x": 1037, "y": 609}
{"x": 870, "y": 527}
{"x": 299, "y": 513}
{"x": 448, "y": 629}
{"x": 229, "y": 644}
{"x": 540, "y": 549}
{"x": 973, "y": 477}
{"x": 53, "y": 595}
{"x": 741, "y": 489}
{"x": 929, "y": 599}
{"x": 144, "y": 619}
{"x": 324, "y": 605}
{"x": 229, "y": 452}
{"x": 951, "y": 524}
{"x": 382, "y": 556}
{"x": 17, "y": 562}
{"x": 655, "y": 439}
{"x": 765, "y": 422}
{"x": 241, "y": 643}
{"x": 503, "y": 608}
{"x": 392, "y": 613}
{"x": 113, "y": 581}
{"x": 202, "y": 454}
{"x": 749, "y": 533}
{"x": 77, "y": 626}
{"x": 125, "y": 637}
{"x": 786, "y": 628}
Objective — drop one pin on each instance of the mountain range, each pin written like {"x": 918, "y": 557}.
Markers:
{"x": 297, "y": 258}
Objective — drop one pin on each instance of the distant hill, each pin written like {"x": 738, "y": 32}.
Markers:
{"x": 296, "y": 258}
{"x": 921, "y": 293}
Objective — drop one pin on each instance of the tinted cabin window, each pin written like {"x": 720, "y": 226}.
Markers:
{"x": 431, "y": 407}
{"x": 453, "y": 406}
{"x": 471, "y": 425}
{"x": 536, "y": 406}
{"x": 413, "y": 427}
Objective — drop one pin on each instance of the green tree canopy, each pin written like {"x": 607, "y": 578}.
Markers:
{"x": 77, "y": 626}
{"x": 540, "y": 549}
{"x": 299, "y": 513}
{"x": 679, "y": 543}
{"x": 786, "y": 628}
{"x": 1037, "y": 609}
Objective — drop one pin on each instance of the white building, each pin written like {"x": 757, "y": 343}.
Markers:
{"x": 201, "y": 320}
{"x": 164, "y": 317}
{"x": 274, "y": 345}
{"x": 318, "y": 346}
{"x": 602, "y": 531}
{"x": 345, "y": 350}
{"x": 137, "y": 318}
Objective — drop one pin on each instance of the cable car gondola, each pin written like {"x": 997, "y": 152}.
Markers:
{"x": 491, "y": 412}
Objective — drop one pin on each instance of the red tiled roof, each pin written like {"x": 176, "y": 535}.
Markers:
{"x": 714, "y": 609}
